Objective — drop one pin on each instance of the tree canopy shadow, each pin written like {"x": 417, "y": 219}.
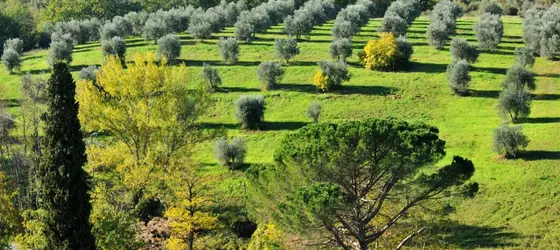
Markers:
{"x": 492, "y": 70}
{"x": 471, "y": 237}
{"x": 484, "y": 93}
{"x": 237, "y": 90}
{"x": 546, "y": 97}
{"x": 342, "y": 90}
{"x": 211, "y": 125}
{"x": 542, "y": 120}
{"x": 284, "y": 125}
{"x": 427, "y": 67}
{"x": 535, "y": 155}
{"x": 10, "y": 103}
{"x": 200, "y": 63}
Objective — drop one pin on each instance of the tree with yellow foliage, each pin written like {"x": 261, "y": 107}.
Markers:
{"x": 9, "y": 216}
{"x": 387, "y": 54}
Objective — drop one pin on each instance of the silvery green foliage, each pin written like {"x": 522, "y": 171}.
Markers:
{"x": 550, "y": 32}
{"x": 462, "y": 50}
{"x": 249, "y": 111}
{"x": 442, "y": 22}
{"x": 270, "y": 74}
{"x": 524, "y": 57}
{"x": 533, "y": 23}
{"x": 491, "y": 7}
{"x": 341, "y": 49}
{"x": 399, "y": 15}
{"x": 15, "y": 44}
{"x": 244, "y": 28}
{"x": 109, "y": 30}
{"x": 169, "y": 47}
{"x": 527, "y": 5}
{"x": 74, "y": 29}
{"x": 114, "y": 47}
{"x": 519, "y": 77}
{"x": 89, "y": 73}
{"x": 60, "y": 51}
{"x": 200, "y": 26}
{"x": 509, "y": 140}
{"x": 342, "y": 29}
{"x": 230, "y": 154}
{"x": 286, "y": 48}
{"x": 155, "y": 28}
{"x": 406, "y": 50}
{"x": 211, "y": 76}
{"x": 137, "y": 20}
{"x": 350, "y": 20}
{"x": 489, "y": 31}
{"x": 337, "y": 72}
{"x": 437, "y": 33}
{"x": 91, "y": 28}
{"x": 229, "y": 50}
{"x": 458, "y": 77}
{"x": 314, "y": 111}
{"x": 260, "y": 18}
{"x": 394, "y": 23}
{"x": 515, "y": 103}
{"x": 123, "y": 25}
{"x": 300, "y": 24}
{"x": 11, "y": 59}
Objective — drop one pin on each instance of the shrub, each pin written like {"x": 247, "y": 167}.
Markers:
{"x": 458, "y": 77}
{"x": 314, "y": 111}
{"x": 249, "y": 111}
{"x": 169, "y": 47}
{"x": 387, "y": 53}
{"x": 437, "y": 33}
{"x": 201, "y": 30}
{"x": 286, "y": 48}
{"x": 491, "y": 7}
{"x": 270, "y": 74}
{"x": 109, "y": 30}
{"x": 114, "y": 47}
{"x": 519, "y": 77}
{"x": 60, "y": 51}
{"x": 229, "y": 50}
{"x": 489, "y": 31}
{"x": 462, "y": 50}
{"x": 230, "y": 154}
{"x": 15, "y": 44}
{"x": 524, "y": 57}
{"x": 211, "y": 76}
{"x": 89, "y": 73}
{"x": 515, "y": 103}
{"x": 11, "y": 59}
{"x": 341, "y": 49}
{"x": 509, "y": 140}
{"x": 155, "y": 29}
{"x": 331, "y": 75}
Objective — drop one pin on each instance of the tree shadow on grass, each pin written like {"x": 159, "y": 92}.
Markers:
{"x": 200, "y": 63}
{"x": 275, "y": 126}
{"x": 72, "y": 68}
{"x": 471, "y": 237}
{"x": 499, "y": 71}
{"x": 237, "y": 90}
{"x": 427, "y": 67}
{"x": 484, "y": 93}
{"x": 546, "y": 97}
{"x": 10, "y": 103}
{"x": 342, "y": 90}
{"x": 542, "y": 120}
{"x": 535, "y": 155}
{"x": 211, "y": 125}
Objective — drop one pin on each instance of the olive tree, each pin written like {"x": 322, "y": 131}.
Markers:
{"x": 89, "y": 73}
{"x": 491, "y": 7}
{"x": 114, "y": 47}
{"x": 169, "y": 47}
{"x": 15, "y": 44}
{"x": 244, "y": 28}
{"x": 341, "y": 49}
{"x": 230, "y": 154}
{"x": 249, "y": 111}
{"x": 462, "y": 50}
{"x": 458, "y": 77}
{"x": 11, "y": 59}
{"x": 524, "y": 57}
{"x": 509, "y": 140}
{"x": 229, "y": 50}
{"x": 314, "y": 111}
{"x": 270, "y": 74}
{"x": 109, "y": 30}
{"x": 286, "y": 48}
{"x": 60, "y": 51}
{"x": 137, "y": 20}
{"x": 515, "y": 103}
{"x": 519, "y": 77}
{"x": 489, "y": 31}
{"x": 437, "y": 33}
{"x": 394, "y": 23}
{"x": 342, "y": 29}
{"x": 154, "y": 29}
{"x": 331, "y": 75}
{"x": 211, "y": 76}
{"x": 201, "y": 30}
{"x": 124, "y": 26}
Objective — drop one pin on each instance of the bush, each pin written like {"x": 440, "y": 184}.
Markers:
{"x": 11, "y": 59}
{"x": 169, "y": 47}
{"x": 60, "y": 51}
{"x": 114, "y": 47}
{"x": 524, "y": 57}
{"x": 249, "y": 111}
{"x": 314, "y": 111}
{"x": 286, "y": 48}
{"x": 341, "y": 49}
{"x": 331, "y": 75}
{"x": 108, "y": 31}
{"x": 489, "y": 31}
{"x": 509, "y": 140}
{"x": 462, "y": 50}
{"x": 270, "y": 74}
{"x": 491, "y": 7}
{"x": 387, "y": 53}
{"x": 229, "y": 50}
{"x": 437, "y": 34}
{"x": 89, "y": 73}
{"x": 155, "y": 29}
{"x": 211, "y": 76}
{"x": 519, "y": 77}
{"x": 230, "y": 154}
{"x": 15, "y": 44}
{"x": 515, "y": 103}
{"x": 458, "y": 77}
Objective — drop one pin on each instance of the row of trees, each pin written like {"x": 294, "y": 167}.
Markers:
{"x": 399, "y": 15}
{"x": 443, "y": 22}
{"x": 541, "y": 31}
{"x": 312, "y": 13}
{"x": 262, "y": 17}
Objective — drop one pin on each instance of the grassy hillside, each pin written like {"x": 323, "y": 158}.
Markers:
{"x": 519, "y": 201}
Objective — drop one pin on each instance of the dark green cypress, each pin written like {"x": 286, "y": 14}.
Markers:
{"x": 63, "y": 183}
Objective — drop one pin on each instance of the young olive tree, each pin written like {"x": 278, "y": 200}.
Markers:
{"x": 509, "y": 140}
{"x": 491, "y": 7}
{"x": 201, "y": 30}
{"x": 108, "y": 31}
{"x": 249, "y": 111}
{"x": 244, "y": 28}
{"x": 462, "y": 50}
{"x": 114, "y": 47}
{"x": 60, "y": 51}
{"x": 515, "y": 103}
{"x": 300, "y": 24}
{"x": 270, "y": 74}
{"x": 89, "y": 73}
{"x": 15, "y": 44}
{"x": 437, "y": 33}
{"x": 286, "y": 48}
{"x": 489, "y": 31}
{"x": 11, "y": 59}
{"x": 458, "y": 77}
{"x": 342, "y": 29}
{"x": 519, "y": 77}
{"x": 314, "y": 111}
{"x": 524, "y": 57}
{"x": 341, "y": 49}
{"x": 155, "y": 29}
{"x": 169, "y": 47}
{"x": 230, "y": 154}
{"x": 211, "y": 76}
{"x": 229, "y": 50}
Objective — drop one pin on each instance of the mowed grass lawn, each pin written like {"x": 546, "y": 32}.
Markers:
{"x": 518, "y": 205}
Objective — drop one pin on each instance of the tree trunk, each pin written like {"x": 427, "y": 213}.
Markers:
{"x": 191, "y": 240}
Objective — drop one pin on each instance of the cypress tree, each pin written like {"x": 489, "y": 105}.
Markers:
{"x": 63, "y": 183}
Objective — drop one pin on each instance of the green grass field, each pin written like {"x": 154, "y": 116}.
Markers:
{"x": 518, "y": 205}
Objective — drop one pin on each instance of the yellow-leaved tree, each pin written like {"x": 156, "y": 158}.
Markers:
{"x": 381, "y": 54}
{"x": 148, "y": 112}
